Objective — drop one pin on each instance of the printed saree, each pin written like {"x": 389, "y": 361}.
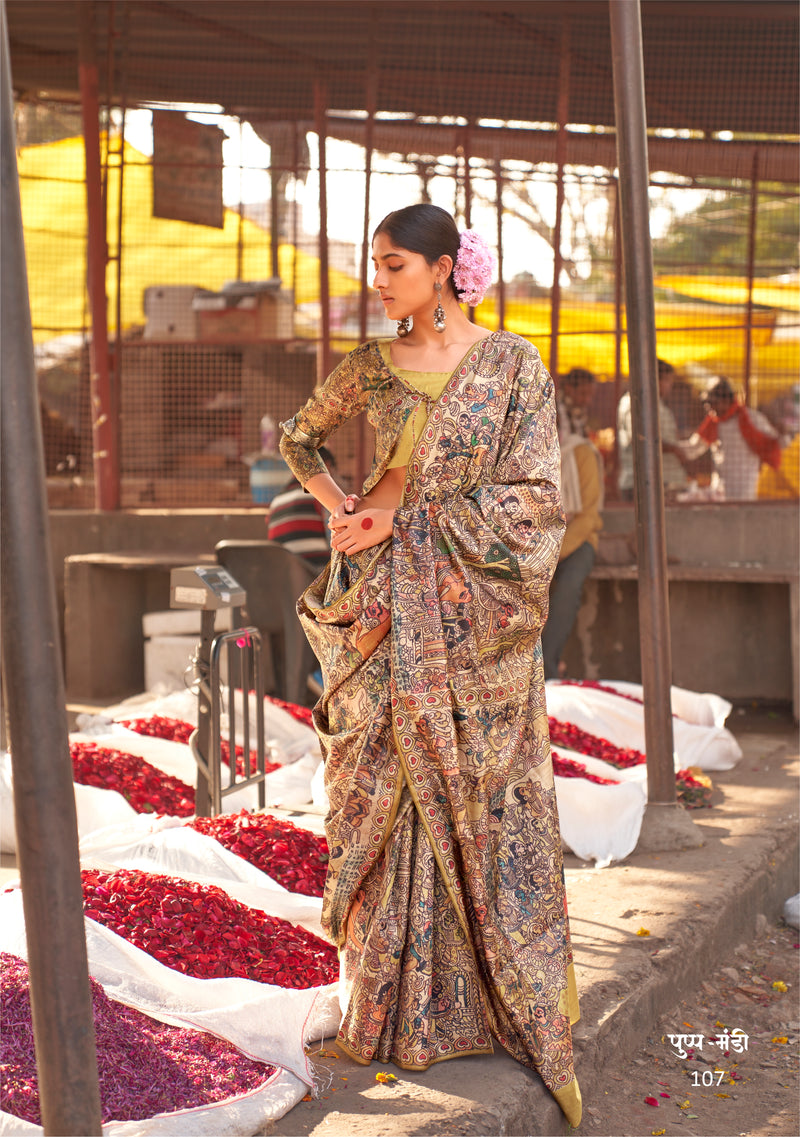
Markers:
{"x": 445, "y": 891}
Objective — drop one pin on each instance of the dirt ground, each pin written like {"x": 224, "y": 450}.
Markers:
{"x": 752, "y": 1093}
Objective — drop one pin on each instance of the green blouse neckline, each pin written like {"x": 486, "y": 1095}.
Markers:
{"x": 412, "y": 377}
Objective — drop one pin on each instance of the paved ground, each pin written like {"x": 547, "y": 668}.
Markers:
{"x": 695, "y": 906}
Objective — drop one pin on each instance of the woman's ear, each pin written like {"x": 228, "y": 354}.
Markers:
{"x": 444, "y": 266}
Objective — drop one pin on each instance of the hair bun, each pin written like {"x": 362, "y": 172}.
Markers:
{"x": 474, "y": 268}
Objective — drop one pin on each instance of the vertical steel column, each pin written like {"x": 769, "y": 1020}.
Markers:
{"x": 501, "y": 287}
{"x": 654, "y": 631}
{"x": 44, "y": 801}
{"x": 751, "y": 264}
{"x": 618, "y": 277}
{"x": 561, "y": 157}
{"x": 240, "y": 220}
{"x": 105, "y": 450}
{"x": 369, "y": 133}
{"x": 274, "y": 214}
{"x": 320, "y": 113}
{"x": 295, "y": 227}
{"x": 468, "y": 194}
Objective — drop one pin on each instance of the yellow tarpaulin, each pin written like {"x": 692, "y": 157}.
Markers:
{"x": 155, "y": 251}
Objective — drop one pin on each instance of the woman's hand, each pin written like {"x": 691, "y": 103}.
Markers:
{"x": 353, "y": 532}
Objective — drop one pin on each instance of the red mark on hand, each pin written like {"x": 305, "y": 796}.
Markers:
{"x": 366, "y": 523}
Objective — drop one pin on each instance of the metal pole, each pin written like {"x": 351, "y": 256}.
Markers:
{"x": 618, "y": 277}
{"x": 372, "y": 102}
{"x": 320, "y": 109}
{"x": 561, "y": 155}
{"x": 751, "y": 262}
{"x": 501, "y": 287}
{"x": 104, "y": 446}
{"x": 44, "y": 800}
{"x": 240, "y": 219}
{"x": 468, "y": 193}
{"x": 654, "y": 631}
{"x": 295, "y": 234}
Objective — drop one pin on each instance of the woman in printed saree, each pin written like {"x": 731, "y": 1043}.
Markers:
{"x": 445, "y": 889}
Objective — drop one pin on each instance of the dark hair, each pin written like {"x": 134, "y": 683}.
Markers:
{"x": 664, "y": 368}
{"x": 721, "y": 391}
{"x": 326, "y": 456}
{"x": 424, "y": 229}
{"x": 578, "y": 375}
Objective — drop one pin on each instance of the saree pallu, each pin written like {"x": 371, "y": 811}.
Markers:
{"x": 445, "y": 890}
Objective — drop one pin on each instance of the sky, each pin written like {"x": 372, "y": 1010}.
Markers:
{"x": 246, "y": 179}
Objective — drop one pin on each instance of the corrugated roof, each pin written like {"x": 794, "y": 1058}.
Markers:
{"x": 710, "y": 65}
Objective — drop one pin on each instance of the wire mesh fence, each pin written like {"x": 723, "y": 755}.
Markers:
{"x": 225, "y": 303}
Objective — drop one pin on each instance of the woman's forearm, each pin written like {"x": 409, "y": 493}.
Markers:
{"x": 325, "y": 490}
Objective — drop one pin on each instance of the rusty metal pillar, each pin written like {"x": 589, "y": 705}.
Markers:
{"x": 618, "y": 331}
{"x": 561, "y": 157}
{"x": 468, "y": 193}
{"x": 751, "y": 264}
{"x": 105, "y": 449}
{"x": 369, "y": 133}
{"x": 320, "y": 115}
{"x": 295, "y": 226}
{"x": 666, "y": 824}
{"x": 501, "y": 287}
{"x": 34, "y": 703}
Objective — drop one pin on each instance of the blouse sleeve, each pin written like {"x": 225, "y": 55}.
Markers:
{"x": 342, "y": 396}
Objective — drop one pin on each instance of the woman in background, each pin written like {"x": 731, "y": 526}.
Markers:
{"x": 445, "y": 889}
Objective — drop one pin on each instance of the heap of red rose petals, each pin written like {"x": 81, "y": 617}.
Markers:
{"x": 595, "y": 686}
{"x": 199, "y": 930}
{"x": 692, "y": 793}
{"x": 156, "y": 726}
{"x": 145, "y": 1067}
{"x": 294, "y": 857}
{"x": 147, "y": 789}
{"x": 569, "y": 768}
{"x": 571, "y": 736}
{"x": 301, "y": 714}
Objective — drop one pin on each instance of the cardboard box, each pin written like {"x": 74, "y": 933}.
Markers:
{"x": 242, "y": 311}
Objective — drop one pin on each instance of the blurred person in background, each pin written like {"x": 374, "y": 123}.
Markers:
{"x": 582, "y": 501}
{"x": 673, "y": 457}
{"x": 740, "y": 440}
{"x": 575, "y": 398}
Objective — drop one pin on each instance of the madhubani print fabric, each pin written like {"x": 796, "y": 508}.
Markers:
{"x": 445, "y": 891}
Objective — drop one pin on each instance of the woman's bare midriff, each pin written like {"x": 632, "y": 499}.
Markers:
{"x": 388, "y": 493}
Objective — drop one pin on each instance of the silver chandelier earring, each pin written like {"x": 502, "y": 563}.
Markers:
{"x": 403, "y": 327}
{"x": 439, "y": 314}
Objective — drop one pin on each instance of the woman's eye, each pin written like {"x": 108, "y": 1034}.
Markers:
{"x": 395, "y": 268}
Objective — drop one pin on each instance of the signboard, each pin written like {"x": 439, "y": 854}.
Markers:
{"x": 187, "y": 170}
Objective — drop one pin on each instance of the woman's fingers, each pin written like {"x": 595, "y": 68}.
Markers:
{"x": 352, "y": 533}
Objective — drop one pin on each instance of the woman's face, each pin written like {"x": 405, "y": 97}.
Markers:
{"x": 404, "y": 279}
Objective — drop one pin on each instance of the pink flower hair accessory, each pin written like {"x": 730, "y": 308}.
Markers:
{"x": 474, "y": 268}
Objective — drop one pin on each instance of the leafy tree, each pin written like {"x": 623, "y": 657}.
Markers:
{"x": 715, "y": 236}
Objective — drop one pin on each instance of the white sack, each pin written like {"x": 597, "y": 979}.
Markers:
{"x": 265, "y": 1022}
{"x": 230, "y": 1118}
{"x": 621, "y": 721}
{"x": 177, "y": 850}
{"x": 702, "y": 708}
{"x": 95, "y": 808}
